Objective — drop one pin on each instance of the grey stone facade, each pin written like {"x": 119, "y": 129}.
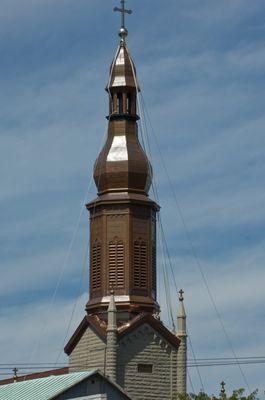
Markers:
{"x": 90, "y": 352}
{"x": 141, "y": 347}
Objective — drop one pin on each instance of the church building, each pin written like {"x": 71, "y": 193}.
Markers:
{"x": 122, "y": 334}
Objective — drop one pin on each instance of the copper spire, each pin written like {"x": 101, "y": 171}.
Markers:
{"x": 122, "y": 165}
{"x": 123, "y": 71}
{"x": 122, "y": 217}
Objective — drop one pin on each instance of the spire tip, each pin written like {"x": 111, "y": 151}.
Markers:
{"x": 123, "y": 33}
{"x": 181, "y": 293}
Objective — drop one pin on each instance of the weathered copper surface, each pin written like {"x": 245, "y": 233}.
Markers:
{"x": 122, "y": 165}
{"x": 122, "y": 218}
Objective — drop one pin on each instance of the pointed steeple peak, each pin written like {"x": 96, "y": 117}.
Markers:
{"x": 122, "y": 71}
{"x": 181, "y": 316}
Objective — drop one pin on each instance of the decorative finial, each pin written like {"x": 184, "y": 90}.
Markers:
{"x": 181, "y": 292}
{"x": 123, "y": 31}
{"x": 15, "y": 377}
{"x": 222, "y": 388}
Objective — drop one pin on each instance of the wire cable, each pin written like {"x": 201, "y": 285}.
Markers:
{"x": 75, "y": 304}
{"x": 144, "y": 134}
{"x": 194, "y": 252}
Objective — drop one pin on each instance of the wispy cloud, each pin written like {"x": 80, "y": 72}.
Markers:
{"x": 201, "y": 68}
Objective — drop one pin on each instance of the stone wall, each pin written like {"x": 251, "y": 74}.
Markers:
{"x": 89, "y": 353}
{"x": 144, "y": 346}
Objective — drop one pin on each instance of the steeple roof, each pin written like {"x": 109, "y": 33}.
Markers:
{"x": 122, "y": 70}
{"x": 122, "y": 217}
{"x": 122, "y": 165}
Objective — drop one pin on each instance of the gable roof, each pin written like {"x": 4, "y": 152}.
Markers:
{"x": 42, "y": 388}
{"x": 100, "y": 328}
{"x": 87, "y": 321}
{"x": 48, "y": 388}
{"x": 156, "y": 324}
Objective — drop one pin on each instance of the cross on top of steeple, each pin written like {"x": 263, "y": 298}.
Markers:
{"x": 222, "y": 387}
{"x": 123, "y": 31}
{"x": 181, "y": 293}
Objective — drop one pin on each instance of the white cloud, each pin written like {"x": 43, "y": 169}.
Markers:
{"x": 201, "y": 68}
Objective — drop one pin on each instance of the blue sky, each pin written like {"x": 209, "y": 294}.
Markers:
{"x": 201, "y": 69}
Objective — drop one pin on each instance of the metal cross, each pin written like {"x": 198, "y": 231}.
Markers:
{"x": 15, "y": 377}
{"x": 222, "y": 387}
{"x": 181, "y": 292}
{"x": 123, "y": 11}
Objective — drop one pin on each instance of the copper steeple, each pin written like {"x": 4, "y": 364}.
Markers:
{"x": 122, "y": 218}
{"x": 122, "y": 165}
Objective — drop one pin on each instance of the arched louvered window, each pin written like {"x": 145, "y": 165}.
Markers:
{"x": 116, "y": 264}
{"x": 154, "y": 281}
{"x": 154, "y": 266}
{"x": 96, "y": 266}
{"x": 140, "y": 267}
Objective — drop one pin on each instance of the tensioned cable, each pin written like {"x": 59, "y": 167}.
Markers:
{"x": 166, "y": 284}
{"x": 194, "y": 253}
{"x": 147, "y": 150}
{"x": 75, "y": 303}
{"x": 143, "y": 127}
{"x": 44, "y": 367}
{"x": 206, "y": 359}
{"x": 176, "y": 288}
{"x": 63, "y": 268}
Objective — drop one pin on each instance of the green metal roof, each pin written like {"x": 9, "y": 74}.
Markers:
{"x": 42, "y": 388}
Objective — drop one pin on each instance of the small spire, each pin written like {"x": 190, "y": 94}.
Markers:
{"x": 15, "y": 377}
{"x": 123, "y": 33}
{"x": 111, "y": 349}
{"x": 181, "y": 316}
{"x": 181, "y": 293}
{"x": 222, "y": 391}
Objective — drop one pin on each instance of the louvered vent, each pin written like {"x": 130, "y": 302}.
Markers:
{"x": 116, "y": 264}
{"x": 140, "y": 262}
{"x": 96, "y": 266}
{"x": 154, "y": 267}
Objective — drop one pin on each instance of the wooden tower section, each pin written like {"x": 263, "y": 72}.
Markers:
{"x": 122, "y": 217}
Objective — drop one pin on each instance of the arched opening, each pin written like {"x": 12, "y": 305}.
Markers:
{"x": 119, "y": 103}
{"x": 140, "y": 267}
{"x": 96, "y": 266}
{"x": 129, "y": 104}
{"x": 116, "y": 264}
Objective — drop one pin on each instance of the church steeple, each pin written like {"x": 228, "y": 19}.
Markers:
{"x": 122, "y": 165}
{"x": 122, "y": 323}
{"x": 123, "y": 218}
{"x": 122, "y": 85}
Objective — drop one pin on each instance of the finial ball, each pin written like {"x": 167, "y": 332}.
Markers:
{"x": 123, "y": 33}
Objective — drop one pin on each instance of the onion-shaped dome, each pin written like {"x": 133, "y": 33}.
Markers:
{"x": 122, "y": 164}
